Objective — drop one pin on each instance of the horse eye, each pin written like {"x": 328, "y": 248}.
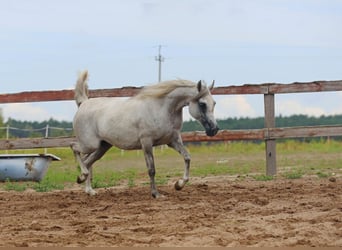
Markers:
{"x": 202, "y": 105}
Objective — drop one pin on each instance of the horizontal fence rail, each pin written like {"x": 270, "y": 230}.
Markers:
{"x": 269, "y": 133}
{"x": 266, "y": 88}
{"x": 195, "y": 136}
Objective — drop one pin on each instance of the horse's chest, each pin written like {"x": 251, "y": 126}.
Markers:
{"x": 161, "y": 134}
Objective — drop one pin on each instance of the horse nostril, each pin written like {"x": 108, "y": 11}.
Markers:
{"x": 212, "y": 131}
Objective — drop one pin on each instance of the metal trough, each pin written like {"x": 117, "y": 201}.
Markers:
{"x": 25, "y": 167}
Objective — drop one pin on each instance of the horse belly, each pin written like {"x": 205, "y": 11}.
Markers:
{"x": 123, "y": 139}
{"x": 127, "y": 145}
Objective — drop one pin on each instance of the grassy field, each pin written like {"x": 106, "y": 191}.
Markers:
{"x": 239, "y": 160}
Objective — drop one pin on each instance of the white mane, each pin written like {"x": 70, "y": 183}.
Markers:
{"x": 162, "y": 89}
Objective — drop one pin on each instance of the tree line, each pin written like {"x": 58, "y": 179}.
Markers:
{"x": 37, "y": 128}
{"x": 258, "y": 122}
{"x": 26, "y": 129}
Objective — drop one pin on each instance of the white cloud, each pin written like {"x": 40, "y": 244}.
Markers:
{"x": 290, "y": 107}
{"x": 38, "y": 111}
{"x": 234, "y": 106}
{"x": 25, "y": 111}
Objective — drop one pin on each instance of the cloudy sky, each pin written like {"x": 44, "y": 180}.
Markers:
{"x": 44, "y": 44}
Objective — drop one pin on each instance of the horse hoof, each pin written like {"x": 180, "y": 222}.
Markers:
{"x": 80, "y": 180}
{"x": 91, "y": 192}
{"x": 157, "y": 195}
{"x": 179, "y": 185}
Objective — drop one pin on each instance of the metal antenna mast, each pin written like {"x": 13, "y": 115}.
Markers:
{"x": 160, "y": 59}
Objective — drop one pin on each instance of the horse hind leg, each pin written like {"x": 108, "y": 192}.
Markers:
{"x": 88, "y": 188}
{"x": 84, "y": 170}
{"x": 89, "y": 161}
{"x": 148, "y": 154}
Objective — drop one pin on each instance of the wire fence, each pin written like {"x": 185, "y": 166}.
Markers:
{"x": 46, "y": 132}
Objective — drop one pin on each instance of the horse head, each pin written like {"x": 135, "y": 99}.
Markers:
{"x": 202, "y": 108}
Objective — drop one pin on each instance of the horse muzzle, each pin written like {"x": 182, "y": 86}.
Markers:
{"x": 210, "y": 126}
{"x": 212, "y": 131}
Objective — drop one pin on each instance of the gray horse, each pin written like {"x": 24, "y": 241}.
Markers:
{"x": 152, "y": 117}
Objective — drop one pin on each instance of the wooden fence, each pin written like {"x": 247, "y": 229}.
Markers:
{"x": 269, "y": 133}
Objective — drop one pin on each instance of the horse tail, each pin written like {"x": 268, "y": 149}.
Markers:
{"x": 81, "y": 88}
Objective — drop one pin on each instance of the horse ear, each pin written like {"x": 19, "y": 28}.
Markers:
{"x": 212, "y": 86}
{"x": 199, "y": 86}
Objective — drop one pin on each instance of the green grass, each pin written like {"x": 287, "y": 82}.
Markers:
{"x": 263, "y": 177}
{"x": 322, "y": 175}
{"x": 293, "y": 174}
{"x": 295, "y": 159}
{"x": 47, "y": 185}
{"x": 14, "y": 186}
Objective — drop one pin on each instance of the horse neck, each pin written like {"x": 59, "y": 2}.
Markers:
{"x": 181, "y": 97}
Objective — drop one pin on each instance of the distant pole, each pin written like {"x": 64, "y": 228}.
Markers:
{"x": 46, "y": 136}
{"x": 7, "y": 135}
{"x": 47, "y": 131}
{"x": 7, "y": 131}
{"x": 160, "y": 59}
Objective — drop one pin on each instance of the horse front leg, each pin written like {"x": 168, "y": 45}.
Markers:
{"x": 177, "y": 145}
{"x": 148, "y": 153}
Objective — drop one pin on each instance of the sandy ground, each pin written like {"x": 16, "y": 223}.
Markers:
{"x": 209, "y": 212}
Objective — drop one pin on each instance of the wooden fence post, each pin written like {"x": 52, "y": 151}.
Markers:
{"x": 271, "y": 164}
